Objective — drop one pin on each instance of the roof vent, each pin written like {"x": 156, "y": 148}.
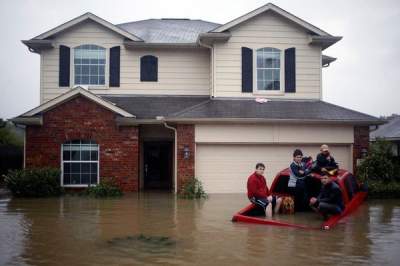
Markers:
{"x": 175, "y": 18}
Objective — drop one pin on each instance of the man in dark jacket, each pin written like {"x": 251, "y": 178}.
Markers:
{"x": 329, "y": 200}
{"x": 325, "y": 161}
{"x": 258, "y": 192}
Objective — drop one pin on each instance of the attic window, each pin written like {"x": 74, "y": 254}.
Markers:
{"x": 89, "y": 65}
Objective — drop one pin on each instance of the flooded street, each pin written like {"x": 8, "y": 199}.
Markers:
{"x": 158, "y": 228}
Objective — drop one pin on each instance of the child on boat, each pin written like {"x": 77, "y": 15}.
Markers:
{"x": 296, "y": 184}
{"x": 258, "y": 192}
{"x": 329, "y": 200}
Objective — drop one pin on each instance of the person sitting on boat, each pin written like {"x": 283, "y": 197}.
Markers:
{"x": 329, "y": 200}
{"x": 325, "y": 162}
{"x": 296, "y": 184}
{"x": 258, "y": 192}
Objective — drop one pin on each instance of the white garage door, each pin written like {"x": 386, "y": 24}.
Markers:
{"x": 224, "y": 168}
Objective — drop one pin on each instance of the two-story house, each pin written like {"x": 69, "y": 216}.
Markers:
{"x": 158, "y": 101}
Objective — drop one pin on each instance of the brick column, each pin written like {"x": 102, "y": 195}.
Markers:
{"x": 185, "y": 138}
{"x": 361, "y": 141}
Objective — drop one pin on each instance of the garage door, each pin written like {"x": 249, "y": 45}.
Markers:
{"x": 224, "y": 168}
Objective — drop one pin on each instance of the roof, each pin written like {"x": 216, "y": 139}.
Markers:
{"x": 86, "y": 16}
{"x": 71, "y": 94}
{"x": 168, "y": 30}
{"x": 277, "y": 10}
{"x": 389, "y": 131}
{"x": 198, "y": 108}
{"x": 149, "y": 107}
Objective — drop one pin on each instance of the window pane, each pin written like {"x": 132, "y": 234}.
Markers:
{"x": 85, "y": 167}
{"x": 78, "y": 70}
{"x": 268, "y": 73}
{"x": 101, "y": 70}
{"x": 67, "y": 179}
{"x": 276, "y": 85}
{"x": 94, "y": 80}
{"x": 93, "y": 178}
{"x": 85, "y": 178}
{"x": 93, "y": 168}
{"x": 75, "y": 179}
{"x": 276, "y": 74}
{"x": 75, "y": 168}
{"x": 93, "y": 155}
{"x": 260, "y": 59}
{"x": 260, "y": 85}
{"x": 101, "y": 80}
{"x": 269, "y": 85}
{"x": 85, "y": 70}
{"x": 66, "y": 155}
{"x": 260, "y": 74}
{"x": 67, "y": 167}
{"x": 85, "y": 80}
{"x": 75, "y": 154}
{"x": 94, "y": 70}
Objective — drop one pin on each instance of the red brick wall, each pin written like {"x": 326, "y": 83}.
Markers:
{"x": 185, "y": 135}
{"x": 81, "y": 118}
{"x": 361, "y": 141}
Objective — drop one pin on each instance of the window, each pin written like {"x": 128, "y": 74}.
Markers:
{"x": 148, "y": 68}
{"x": 80, "y": 162}
{"x": 268, "y": 69}
{"x": 89, "y": 65}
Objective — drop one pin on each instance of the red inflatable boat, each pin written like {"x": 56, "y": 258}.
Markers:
{"x": 352, "y": 191}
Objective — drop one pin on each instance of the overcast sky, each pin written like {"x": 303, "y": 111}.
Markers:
{"x": 365, "y": 77}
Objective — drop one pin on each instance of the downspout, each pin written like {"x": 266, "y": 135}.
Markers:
{"x": 212, "y": 65}
{"x": 175, "y": 152}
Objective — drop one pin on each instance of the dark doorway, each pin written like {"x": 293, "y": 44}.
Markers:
{"x": 157, "y": 165}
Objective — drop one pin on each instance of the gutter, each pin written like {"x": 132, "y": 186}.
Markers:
{"x": 212, "y": 65}
{"x": 162, "y": 120}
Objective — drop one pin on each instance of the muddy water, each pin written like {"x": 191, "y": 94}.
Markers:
{"x": 157, "y": 228}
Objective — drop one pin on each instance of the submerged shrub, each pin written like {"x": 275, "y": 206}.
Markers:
{"x": 193, "y": 189}
{"x": 108, "y": 187}
{"x": 34, "y": 182}
{"x": 380, "y": 163}
{"x": 381, "y": 190}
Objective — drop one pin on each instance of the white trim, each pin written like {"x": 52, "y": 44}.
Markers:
{"x": 276, "y": 9}
{"x": 84, "y": 17}
{"x": 73, "y": 92}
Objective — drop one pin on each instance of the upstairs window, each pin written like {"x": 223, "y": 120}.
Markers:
{"x": 80, "y": 163}
{"x": 148, "y": 68}
{"x": 268, "y": 69}
{"x": 89, "y": 65}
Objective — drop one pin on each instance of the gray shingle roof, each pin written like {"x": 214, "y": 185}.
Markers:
{"x": 193, "y": 107}
{"x": 390, "y": 130}
{"x": 168, "y": 30}
{"x": 148, "y": 107}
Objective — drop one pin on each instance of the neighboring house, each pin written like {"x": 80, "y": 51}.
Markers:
{"x": 390, "y": 132}
{"x": 156, "y": 102}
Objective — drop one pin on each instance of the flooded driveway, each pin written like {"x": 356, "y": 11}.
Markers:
{"x": 158, "y": 228}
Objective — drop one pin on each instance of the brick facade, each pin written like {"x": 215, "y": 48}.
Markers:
{"x": 185, "y": 135}
{"x": 81, "y": 118}
{"x": 361, "y": 141}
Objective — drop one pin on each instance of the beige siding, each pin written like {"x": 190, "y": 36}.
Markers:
{"x": 183, "y": 72}
{"x": 224, "y": 168}
{"x": 274, "y": 133}
{"x": 268, "y": 30}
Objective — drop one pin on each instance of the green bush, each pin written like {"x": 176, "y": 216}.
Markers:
{"x": 34, "y": 182}
{"x": 107, "y": 188}
{"x": 380, "y": 163}
{"x": 380, "y": 189}
{"x": 193, "y": 189}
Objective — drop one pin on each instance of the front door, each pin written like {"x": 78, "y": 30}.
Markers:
{"x": 157, "y": 165}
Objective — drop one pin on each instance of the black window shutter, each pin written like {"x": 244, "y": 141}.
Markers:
{"x": 247, "y": 69}
{"x": 114, "y": 66}
{"x": 290, "y": 70}
{"x": 148, "y": 68}
{"x": 64, "y": 61}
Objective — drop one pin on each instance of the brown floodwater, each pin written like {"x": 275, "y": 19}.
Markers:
{"x": 158, "y": 228}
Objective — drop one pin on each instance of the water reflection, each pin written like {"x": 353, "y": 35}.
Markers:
{"x": 158, "y": 228}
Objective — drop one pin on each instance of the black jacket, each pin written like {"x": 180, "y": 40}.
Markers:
{"x": 331, "y": 193}
{"x": 324, "y": 162}
{"x": 295, "y": 168}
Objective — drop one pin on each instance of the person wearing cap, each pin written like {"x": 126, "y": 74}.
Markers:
{"x": 325, "y": 161}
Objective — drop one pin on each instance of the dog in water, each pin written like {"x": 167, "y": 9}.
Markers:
{"x": 287, "y": 206}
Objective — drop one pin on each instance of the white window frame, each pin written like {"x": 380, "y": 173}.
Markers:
{"x": 281, "y": 90}
{"x": 79, "y": 185}
{"x": 106, "y": 66}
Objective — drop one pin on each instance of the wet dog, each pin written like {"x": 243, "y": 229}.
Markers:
{"x": 287, "y": 206}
